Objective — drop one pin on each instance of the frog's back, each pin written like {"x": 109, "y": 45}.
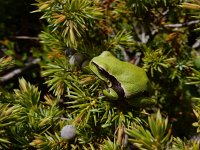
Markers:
{"x": 135, "y": 78}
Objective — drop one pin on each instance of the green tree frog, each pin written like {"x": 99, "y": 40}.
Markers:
{"x": 123, "y": 79}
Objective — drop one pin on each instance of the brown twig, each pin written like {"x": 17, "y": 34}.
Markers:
{"x": 179, "y": 25}
{"x": 25, "y": 37}
{"x": 18, "y": 71}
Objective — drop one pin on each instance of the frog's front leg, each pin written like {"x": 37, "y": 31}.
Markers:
{"x": 110, "y": 93}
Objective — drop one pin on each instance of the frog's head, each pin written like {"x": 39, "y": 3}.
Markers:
{"x": 102, "y": 66}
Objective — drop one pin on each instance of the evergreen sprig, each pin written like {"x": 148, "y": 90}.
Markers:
{"x": 120, "y": 41}
{"x": 156, "y": 137}
{"x": 195, "y": 79}
{"x": 155, "y": 60}
{"x": 49, "y": 141}
{"x": 9, "y": 115}
{"x": 71, "y": 17}
{"x": 185, "y": 144}
{"x": 28, "y": 116}
{"x": 5, "y": 63}
{"x": 109, "y": 145}
{"x": 52, "y": 41}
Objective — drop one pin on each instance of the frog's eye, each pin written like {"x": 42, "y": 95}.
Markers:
{"x": 109, "y": 83}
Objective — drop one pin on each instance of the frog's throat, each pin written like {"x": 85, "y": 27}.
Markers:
{"x": 115, "y": 84}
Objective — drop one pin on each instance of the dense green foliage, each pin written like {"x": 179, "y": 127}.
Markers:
{"x": 164, "y": 33}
